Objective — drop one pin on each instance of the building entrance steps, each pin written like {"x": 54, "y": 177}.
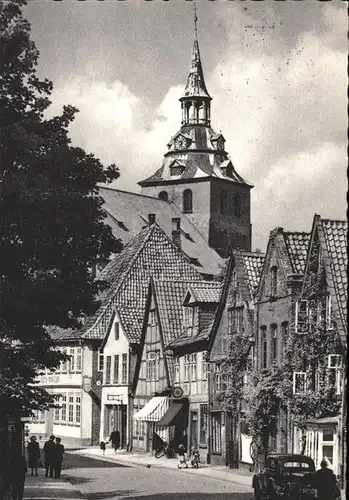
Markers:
{"x": 237, "y": 476}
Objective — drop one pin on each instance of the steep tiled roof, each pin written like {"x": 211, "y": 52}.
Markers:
{"x": 336, "y": 240}
{"x": 185, "y": 339}
{"x": 127, "y": 215}
{"x": 297, "y": 246}
{"x": 253, "y": 263}
{"x": 150, "y": 254}
{"x": 169, "y": 297}
{"x": 207, "y": 291}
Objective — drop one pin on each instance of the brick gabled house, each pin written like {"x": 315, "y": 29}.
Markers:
{"x": 280, "y": 283}
{"x": 170, "y": 384}
{"x": 235, "y": 317}
{"x": 321, "y": 309}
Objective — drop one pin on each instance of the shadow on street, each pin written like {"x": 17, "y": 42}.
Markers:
{"x": 169, "y": 496}
{"x": 72, "y": 461}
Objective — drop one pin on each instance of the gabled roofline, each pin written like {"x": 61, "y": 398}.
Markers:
{"x": 130, "y": 264}
{"x": 106, "y": 336}
{"x": 222, "y": 302}
{"x": 314, "y": 226}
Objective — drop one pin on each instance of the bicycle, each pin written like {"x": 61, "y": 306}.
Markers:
{"x": 165, "y": 449}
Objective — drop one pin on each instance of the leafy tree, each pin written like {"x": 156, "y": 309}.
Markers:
{"x": 52, "y": 227}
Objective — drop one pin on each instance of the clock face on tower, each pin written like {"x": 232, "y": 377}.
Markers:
{"x": 180, "y": 142}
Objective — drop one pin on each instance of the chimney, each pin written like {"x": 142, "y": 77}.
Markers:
{"x": 176, "y": 231}
{"x": 151, "y": 219}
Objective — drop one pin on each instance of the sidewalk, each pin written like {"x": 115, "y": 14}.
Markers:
{"x": 44, "y": 488}
{"x": 240, "y": 476}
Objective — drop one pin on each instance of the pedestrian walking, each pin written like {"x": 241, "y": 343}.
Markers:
{"x": 115, "y": 439}
{"x": 326, "y": 482}
{"x": 58, "y": 453}
{"x": 49, "y": 449}
{"x": 17, "y": 475}
{"x": 33, "y": 449}
{"x": 102, "y": 446}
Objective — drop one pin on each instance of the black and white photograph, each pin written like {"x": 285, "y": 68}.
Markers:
{"x": 173, "y": 249}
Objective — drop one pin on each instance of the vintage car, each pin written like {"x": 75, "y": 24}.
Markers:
{"x": 290, "y": 477}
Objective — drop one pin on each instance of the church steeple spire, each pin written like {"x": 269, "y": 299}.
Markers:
{"x": 196, "y": 100}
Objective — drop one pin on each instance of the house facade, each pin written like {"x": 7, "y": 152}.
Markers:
{"x": 280, "y": 283}
{"x": 235, "y": 318}
{"x": 321, "y": 313}
{"x": 172, "y": 371}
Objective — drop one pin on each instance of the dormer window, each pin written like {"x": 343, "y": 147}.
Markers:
{"x": 188, "y": 316}
{"x": 187, "y": 201}
{"x": 176, "y": 169}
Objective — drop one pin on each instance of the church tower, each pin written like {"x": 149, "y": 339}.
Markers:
{"x": 198, "y": 175}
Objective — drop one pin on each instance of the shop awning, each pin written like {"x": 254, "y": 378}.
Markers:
{"x": 153, "y": 410}
{"x": 171, "y": 415}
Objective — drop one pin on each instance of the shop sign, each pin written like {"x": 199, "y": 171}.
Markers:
{"x": 114, "y": 397}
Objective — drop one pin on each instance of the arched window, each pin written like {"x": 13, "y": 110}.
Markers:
{"x": 187, "y": 201}
{"x": 163, "y": 195}
{"x": 237, "y": 205}
{"x": 224, "y": 202}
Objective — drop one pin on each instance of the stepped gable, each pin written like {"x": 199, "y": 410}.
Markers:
{"x": 297, "y": 244}
{"x": 150, "y": 254}
{"x": 335, "y": 236}
{"x": 127, "y": 215}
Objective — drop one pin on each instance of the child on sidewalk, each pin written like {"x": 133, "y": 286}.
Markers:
{"x": 182, "y": 457}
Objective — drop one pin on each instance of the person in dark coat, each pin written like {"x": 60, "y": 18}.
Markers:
{"x": 115, "y": 439}
{"x": 49, "y": 448}
{"x": 58, "y": 453}
{"x": 33, "y": 449}
{"x": 17, "y": 475}
{"x": 326, "y": 482}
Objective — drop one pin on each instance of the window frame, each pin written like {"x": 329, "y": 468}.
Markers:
{"x": 304, "y": 377}
{"x": 124, "y": 369}
{"x": 116, "y": 369}
{"x": 187, "y": 207}
{"x": 108, "y": 364}
{"x": 302, "y": 311}
{"x": 116, "y": 331}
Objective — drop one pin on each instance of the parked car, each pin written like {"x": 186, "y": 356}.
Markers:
{"x": 290, "y": 477}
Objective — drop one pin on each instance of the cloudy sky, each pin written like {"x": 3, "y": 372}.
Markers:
{"x": 276, "y": 72}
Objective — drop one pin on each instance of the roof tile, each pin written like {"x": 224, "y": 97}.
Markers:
{"x": 297, "y": 246}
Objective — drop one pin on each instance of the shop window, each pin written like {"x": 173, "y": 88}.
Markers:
{"x": 100, "y": 362}
{"x": 116, "y": 369}
{"x": 77, "y": 410}
{"x": 63, "y": 408}
{"x": 71, "y": 409}
{"x": 187, "y": 201}
{"x": 107, "y": 370}
{"x": 203, "y": 424}
{"x": 216, "y": 432}
{"x": 124, "y": 369}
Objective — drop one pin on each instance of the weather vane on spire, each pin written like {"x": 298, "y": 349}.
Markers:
{"x": 195, "y": 22}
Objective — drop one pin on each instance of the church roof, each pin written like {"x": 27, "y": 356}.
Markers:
{"x": 127, "y": 214}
